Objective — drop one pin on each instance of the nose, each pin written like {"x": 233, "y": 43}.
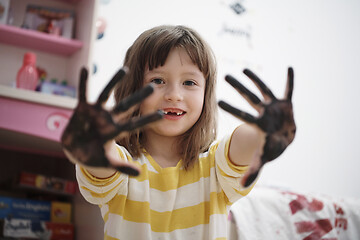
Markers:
{"x": 173, "y": 93}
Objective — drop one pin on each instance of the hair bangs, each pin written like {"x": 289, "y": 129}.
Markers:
{"x": 158, "y": 48}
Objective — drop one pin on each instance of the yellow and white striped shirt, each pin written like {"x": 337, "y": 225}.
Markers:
{"x": 167, "y": 203}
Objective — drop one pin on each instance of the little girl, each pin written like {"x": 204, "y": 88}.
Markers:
{"x": 152, "y": 163}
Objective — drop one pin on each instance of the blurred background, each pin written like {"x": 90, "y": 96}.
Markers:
{"x": 318, "y": 38}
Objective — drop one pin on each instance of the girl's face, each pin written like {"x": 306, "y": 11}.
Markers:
{"x": 179, "y": 88}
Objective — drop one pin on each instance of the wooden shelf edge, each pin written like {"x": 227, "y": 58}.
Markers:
{"x": 22, "y": 142}
{"x": 56, "y": 154}
{"x": 38, "y": 41}
{"x": 37, "y": 97}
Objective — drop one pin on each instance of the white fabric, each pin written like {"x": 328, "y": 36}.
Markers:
{"x": 271, "y": 213}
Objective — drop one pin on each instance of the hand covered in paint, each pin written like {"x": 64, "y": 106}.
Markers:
{"x": 91, "y": 126}
{"x": 275, "y": 118}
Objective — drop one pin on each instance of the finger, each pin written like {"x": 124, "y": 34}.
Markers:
{"x": 253, "y": 171}
{"x": 133, "y": 99}
{"x": 104, "y": 95}
{"x": 265, "y": 91}
{"x": 249, "y": 178}
{"x": 140, "y": 122}
{"x": 290, "y": 84}
{"x": 133, "y": 124}
{"x": 83, "y": 84}
{"x": 124, "y": 166}
{"x": 237, "y": 113}
{"x": 251, "y": 98}
{"x": 128, "y": 170}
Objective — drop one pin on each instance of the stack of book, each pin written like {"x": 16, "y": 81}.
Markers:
{"x": 23, "y": 218}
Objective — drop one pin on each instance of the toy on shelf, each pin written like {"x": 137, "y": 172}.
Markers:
{"x": 55, "y": 88}
{"x": 49, "y": 20}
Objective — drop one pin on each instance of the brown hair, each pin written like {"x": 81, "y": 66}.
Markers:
{"x": 150, "y": 50}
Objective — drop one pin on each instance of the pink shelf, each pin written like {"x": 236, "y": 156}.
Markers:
{"x": 38, "y": 40}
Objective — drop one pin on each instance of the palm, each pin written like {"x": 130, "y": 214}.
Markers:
{"x": 275, "y": 118}
{"x": 91, "y": 126}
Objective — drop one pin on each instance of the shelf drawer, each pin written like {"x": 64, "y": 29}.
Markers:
{"x": 32, "y": 118}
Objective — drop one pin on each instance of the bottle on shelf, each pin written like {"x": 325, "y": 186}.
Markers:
{"x": 27, "y": 77}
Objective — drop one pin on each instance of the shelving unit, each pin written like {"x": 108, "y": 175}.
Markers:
{"x": 62, "y": 58}
{"x": 31, "y": 123}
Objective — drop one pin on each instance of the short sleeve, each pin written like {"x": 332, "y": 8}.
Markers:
{"x": 228, "y": 174}
{"x": 102, "y": 190}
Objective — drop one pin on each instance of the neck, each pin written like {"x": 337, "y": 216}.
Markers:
{"x": 164, "y": 150}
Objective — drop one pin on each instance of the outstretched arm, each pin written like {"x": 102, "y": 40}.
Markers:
{"x": 265, "y": 137}
{"x": 88, "y": 138}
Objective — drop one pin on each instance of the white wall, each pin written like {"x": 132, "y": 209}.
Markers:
{"x": 319, "y": 38}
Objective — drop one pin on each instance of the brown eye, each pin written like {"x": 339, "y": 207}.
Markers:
{"x": 157, "y": 81}
{"x": 189, "y": 83}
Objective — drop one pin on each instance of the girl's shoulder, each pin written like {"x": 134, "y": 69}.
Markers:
{"x": 218, "y": 144}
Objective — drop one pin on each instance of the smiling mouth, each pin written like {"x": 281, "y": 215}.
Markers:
{"x": 173, "y": 112}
